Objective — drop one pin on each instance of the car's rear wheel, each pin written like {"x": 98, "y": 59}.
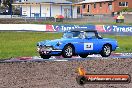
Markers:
{"x": 68, "y": 51}
{"x": 106, "y": 50}
{"x": 83, "y": 55}
{"x": 45, "y": 56}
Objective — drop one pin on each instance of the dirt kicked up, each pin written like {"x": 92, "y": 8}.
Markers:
{"x": 60, "y": 74}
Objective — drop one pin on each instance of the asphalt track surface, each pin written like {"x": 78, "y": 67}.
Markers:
{"x": 61, "y": 74}
{"x": 60, "y": 58}
{"x": 58, "y": 72}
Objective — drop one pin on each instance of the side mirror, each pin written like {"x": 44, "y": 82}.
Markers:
{"x": 99, "y": 37}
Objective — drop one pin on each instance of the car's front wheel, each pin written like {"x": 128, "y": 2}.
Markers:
{"x": 45, "y": 56}
{"x": 106, "y": 51}
{"x": 68, "y": 51}
{"x": 83, "y": 55}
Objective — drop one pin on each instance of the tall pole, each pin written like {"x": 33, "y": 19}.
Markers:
{"x": 71, "y": 11}
{"x": 0, "y": 2}
{"x": 10, "y": 7}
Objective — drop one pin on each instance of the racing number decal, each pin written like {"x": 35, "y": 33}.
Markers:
{"x": 88, "y": 46}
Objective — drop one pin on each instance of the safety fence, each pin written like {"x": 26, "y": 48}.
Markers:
{"x": 108, "y": 29}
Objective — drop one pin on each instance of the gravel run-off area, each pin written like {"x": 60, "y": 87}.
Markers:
{"x": 56, "y": 74}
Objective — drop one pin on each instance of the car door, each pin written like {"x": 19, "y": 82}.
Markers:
{"x": 79, "y": 43}
{"x": 92, "y": 44}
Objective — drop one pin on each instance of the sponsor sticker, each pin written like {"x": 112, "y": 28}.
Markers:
{"x": 88, "y": 46}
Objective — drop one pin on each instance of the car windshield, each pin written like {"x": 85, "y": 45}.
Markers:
{"x": 73, "y": 34}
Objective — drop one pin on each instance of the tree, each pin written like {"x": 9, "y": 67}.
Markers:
{"x": 7, "y": 5}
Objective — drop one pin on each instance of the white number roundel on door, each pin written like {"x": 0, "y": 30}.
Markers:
{"x": 88, "y": 46}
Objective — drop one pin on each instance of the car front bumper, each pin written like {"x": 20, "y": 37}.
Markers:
{"x": 48, "y": 51}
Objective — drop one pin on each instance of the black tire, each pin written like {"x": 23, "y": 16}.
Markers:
{"x": 106, "y": 50}
{"x": 81, "y": 80}
{"x": 83, "y": 55}
{"x": 68, "y": 51}
{"x": 45, "y": 56}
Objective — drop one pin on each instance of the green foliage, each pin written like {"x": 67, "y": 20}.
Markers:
{"x": 126, "y": 10}
{"x": 130, "y": 10}
{"x": 7, "y": 3}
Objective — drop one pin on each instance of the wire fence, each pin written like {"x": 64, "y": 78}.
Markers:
{"x": 79, "y": 19}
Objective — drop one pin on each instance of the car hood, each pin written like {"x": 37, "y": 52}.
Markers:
{"x": 54, "y": 42}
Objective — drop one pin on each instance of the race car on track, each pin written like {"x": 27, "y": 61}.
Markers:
{"x": 77, "y": 42}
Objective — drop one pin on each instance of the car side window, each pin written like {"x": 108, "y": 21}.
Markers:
{"x": 68, "y": 35}
{"x": 82, "y": 35}
{"x": 90, "y": 35}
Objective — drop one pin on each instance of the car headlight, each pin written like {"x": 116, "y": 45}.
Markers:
{"x": 45, "y": 48}
{"x": 38, "y": 49}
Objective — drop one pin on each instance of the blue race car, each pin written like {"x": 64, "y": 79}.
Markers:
{"x": 82, "y": 43}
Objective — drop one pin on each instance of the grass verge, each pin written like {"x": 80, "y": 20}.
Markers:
{"x": 17, "y": 44}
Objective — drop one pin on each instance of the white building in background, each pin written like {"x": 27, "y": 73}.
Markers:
{"x": 47, "y": 8}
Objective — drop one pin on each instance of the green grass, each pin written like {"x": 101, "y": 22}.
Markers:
{"x": 124, "y": 43}
{"x": 16, "y": 44}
